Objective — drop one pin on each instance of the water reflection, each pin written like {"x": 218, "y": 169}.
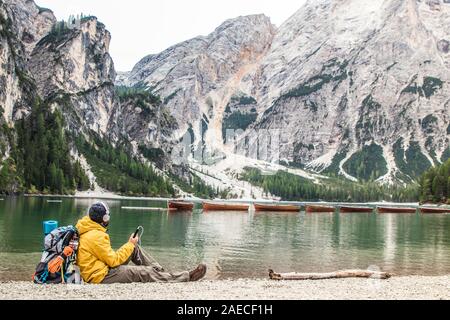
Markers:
{"x": 390, "y": 246}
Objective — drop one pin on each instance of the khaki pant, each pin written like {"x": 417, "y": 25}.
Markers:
{"x": 146, "y": 269}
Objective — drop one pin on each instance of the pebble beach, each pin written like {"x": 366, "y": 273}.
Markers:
{"x": 396, "y": 288}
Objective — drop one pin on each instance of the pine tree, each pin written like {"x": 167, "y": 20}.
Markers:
{"x": 438, "y": 189}
{"x": 53, "y": 183}
{"x": 60, "y": 181}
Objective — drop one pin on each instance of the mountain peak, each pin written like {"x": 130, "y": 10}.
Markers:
{"x": 244, "y": 21}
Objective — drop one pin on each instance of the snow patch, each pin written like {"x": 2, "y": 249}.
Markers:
{"x": 322, "y": 162}
{"x": 388, "y": 178}
{"x": 341, "y": 167}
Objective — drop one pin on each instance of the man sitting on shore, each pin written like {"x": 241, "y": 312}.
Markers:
{"x": 99, "y": 263}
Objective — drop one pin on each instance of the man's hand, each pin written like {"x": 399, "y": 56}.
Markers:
{"x": 134, "y": 240}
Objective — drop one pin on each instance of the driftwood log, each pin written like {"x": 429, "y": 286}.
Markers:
{"x": 331, "y": 275}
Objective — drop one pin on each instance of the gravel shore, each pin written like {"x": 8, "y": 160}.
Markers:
{"x": 410, "y": 288}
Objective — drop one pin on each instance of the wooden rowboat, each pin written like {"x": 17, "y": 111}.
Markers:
{"x": 355, "y": 209}
{"x": 396, "y": 210}
{"x": 434, "y": 210}
{"x": 311, "y": 209}
{"x": 276, "y": 207}
{"x": 208, "y": 206}
{"x": 180, "y": 205}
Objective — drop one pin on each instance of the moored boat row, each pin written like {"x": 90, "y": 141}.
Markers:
{"x": 410, "y": 210}
{"x": 182, "y": 205}
{"x": 379, "y": 209}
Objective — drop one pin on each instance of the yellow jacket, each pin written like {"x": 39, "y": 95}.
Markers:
{"x": 95, "y": 255}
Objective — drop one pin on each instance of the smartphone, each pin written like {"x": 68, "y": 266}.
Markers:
{"x": 136, "y": 233}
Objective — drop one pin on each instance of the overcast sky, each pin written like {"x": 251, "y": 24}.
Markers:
{"x": 141, "y": 27}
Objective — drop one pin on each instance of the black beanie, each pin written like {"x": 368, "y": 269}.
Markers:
{"x": 97, "y": 211}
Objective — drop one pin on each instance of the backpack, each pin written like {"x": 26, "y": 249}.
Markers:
{"x": 57, "y": 263}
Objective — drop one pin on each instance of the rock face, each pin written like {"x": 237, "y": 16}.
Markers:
{"x": 140, "y": 119}
{"x": 74, "y": 72}
{"x": 197, "y": 78}
{"x": 345, "y": 75}
{"x": 31, "y": 23}
{"x": 349, "y": 87}
{"x": 22, "y": 24}
{"x": 8, "y": 80}
{"x": 72, "y": 66}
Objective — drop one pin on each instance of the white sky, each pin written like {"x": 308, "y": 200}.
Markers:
{"x": 141, "y": 27}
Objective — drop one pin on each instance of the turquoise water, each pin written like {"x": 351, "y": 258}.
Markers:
{"x": 235, "y": 244}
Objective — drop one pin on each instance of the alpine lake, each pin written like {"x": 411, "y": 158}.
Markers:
{"x": 237, "y": 244}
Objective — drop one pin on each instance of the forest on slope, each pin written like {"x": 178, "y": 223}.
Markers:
{"x": 434, "y": 185}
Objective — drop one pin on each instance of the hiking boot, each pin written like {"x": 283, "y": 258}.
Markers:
{"x": 198, "y": 273}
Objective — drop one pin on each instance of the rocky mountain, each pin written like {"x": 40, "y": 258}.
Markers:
{"x": 371, "y": 81}
{"x": 355, "y": 88}
{"x": 140, "y": 119}
{"x": 19, "y": 31}
{"x": 54, "y": 72}
{"x": 22, "y": 25}
{"x": 197, "y": 78}
{"x": 343, "y": 88}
